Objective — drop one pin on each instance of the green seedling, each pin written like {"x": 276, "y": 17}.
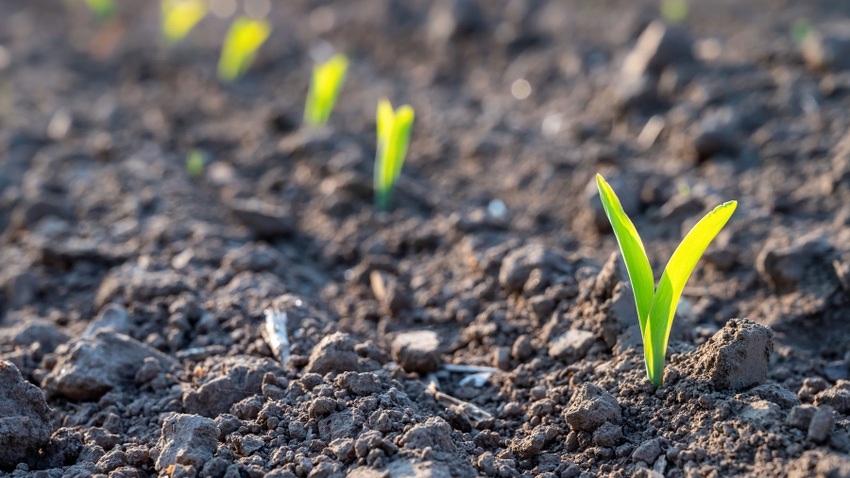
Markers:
{"x": 324, "y": 88}
{"x": 656, "y": 307}
{"x": 243, "y": 40}
{"x": 179, "y": 17}
{"x": 103, "y": 9}
{"x": 393, "y": 139}
{"x": 674, "y": 11}
{"x": 801, "y": 30}
{"x": 195, "y": 163}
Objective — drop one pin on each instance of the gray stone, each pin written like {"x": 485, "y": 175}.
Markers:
{"x": 647, "y": 451}
{"x": 417, "y": 351}
{"x": 657, "y": 47}
{"x": 228, "y": 381}
{"x": 187, "y": 440}
{"x": 801, "y": 416}
{"x": 571, "y": 346}
{"x": 821, "y": 424}
{"x": 716, "y": 132}
{"x": 608, "y": 434}
{"x": 253, "y": 257}
{"x": 33, "y": 330}
{"x": 828, "y": 48}
{"x": 590, "y": 407}
{"x": 24, "y": 418}
{"x": 91, "y": 366}
{"x": 265, "y": 220}
{"x": 777, "y": 394}
{"x": 518, "y": 264}
{"x": 112, "y": 317}
{"x": 737, "y": 356}
{"x": 334, "y": 353}
{"x": 784, "y": 268}
{"x": 837, "y": 397}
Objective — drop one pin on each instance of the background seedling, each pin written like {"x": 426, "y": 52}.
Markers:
{"x": 393, "y": 139}
{"x": 324, "y": 88}
{"x": 656, "y": 308}
{"x": 103, "y": 9}
{"x": 195, "y": 163}
{"x": 178, "y": 17}
{"x": 240, "y": 45}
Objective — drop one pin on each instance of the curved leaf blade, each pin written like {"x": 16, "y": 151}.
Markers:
{"x": 672, "y": 283}
{"x": 634, "y": 254}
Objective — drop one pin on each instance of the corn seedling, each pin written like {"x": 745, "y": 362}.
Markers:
{"x": 393, "y": 139}
{"x": 103, "y": 9}
{"x": 240, "y": 45}
{"x": 674, "y": 11}
{"x": 324, "y": 88}
{"x": 656, "y": 307}
{"x": 178, "y": 17}
{"x": 195, "y": 163}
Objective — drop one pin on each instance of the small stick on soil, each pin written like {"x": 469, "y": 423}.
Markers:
{"x": 472, "y": 411}
{"x": 274, "y": 333}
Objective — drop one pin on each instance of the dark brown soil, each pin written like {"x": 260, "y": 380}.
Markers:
{"x": 484, "y": 326}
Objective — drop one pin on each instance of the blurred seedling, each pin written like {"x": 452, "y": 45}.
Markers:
{"x": 674, "y": 11}
{"x": 325, "y": 85}
{"x": 801, "y": 30}
{"x": 243, "y": 39}
{"x": 103, "y": 9}
{"x": 393, "y": 138}
{"x": 656, "y": 307}
{"x": 195, "y": 162}
{"x": 179, "y": 17}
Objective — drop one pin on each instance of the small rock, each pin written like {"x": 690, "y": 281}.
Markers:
{"x": 25, "y": 425}
{"x": 434, "y": 432}
{"x": 334, "y": 353}
{"x": 821, "y": 424}
{"x": 657, "y": 47}
{"x": 801, "y": 416}
{"x": 647, "y": 451}
{"x": 113, "y": 317}
{"x": 92, "y": 366}
{"x": 777, "y": 394}
{"x": 590, "y": 407}
{"x": 531, "y": 445}
{"x": 266, "y": 220}
{"x": 837, "y": 397}
{"x": 571, "y": 346}
{"x": 32, "y": 331}
{"x": 522, "y": 348}
{"x": 417, "y": 351}
{"x": 518, "y": 264}
{"x": 716, "y": 132}
{"x": 837, "y": 370}
{"x": 737, "y": 356}
{"x": 187, "y": 440}
{"x": 360, "y": 383}
{"x": 608, "y": 434}
{"x": 228, "y": 381}
{"x": 785, "y": 267}
{"x": 388, "y": 292}
{"x": 828, "y": 47}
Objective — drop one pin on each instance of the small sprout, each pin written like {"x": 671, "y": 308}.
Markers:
{"x": 801, "y": 30}
{"x": 178, "y": 17}
{"x": 674, "y": 11}
{"x": 195, "y": 163}
{"x": 324, "y": 88}
{"x": 656, "y": 307}
{"x": 103, "y": 9}
{"x": 240, "y": 45}
{"x": 393, "y": 139}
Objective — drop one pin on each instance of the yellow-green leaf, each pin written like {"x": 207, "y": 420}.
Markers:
{"x": 243, "y": 39}
{"x": 673, "y": 282}
{"x": 179, "y": 17}
{"x": 103, "y": 9}
{"x": 325, "y": 86}
{"x": 634, "y": 254}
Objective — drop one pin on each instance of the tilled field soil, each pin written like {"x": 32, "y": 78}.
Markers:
{"x": 483, "y": 327}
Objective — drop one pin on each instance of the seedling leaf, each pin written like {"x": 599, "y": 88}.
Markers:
{"x": 240, "y": 45}
{"x": 634, "y": 254}
{"x": 657, "y": 307}
{"x": 325, "y": 86}
{"x": 178, "y": 17}
{"x": 673, "y": 281}
{"x": 393, "y": 128}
